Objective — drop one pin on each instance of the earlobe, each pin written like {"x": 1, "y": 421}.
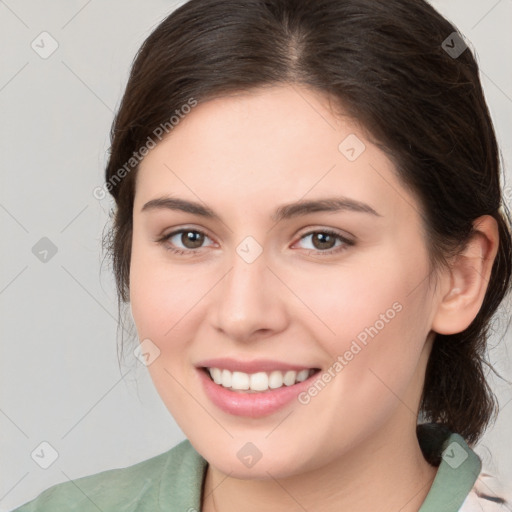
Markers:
{"x": 468, "y": 279}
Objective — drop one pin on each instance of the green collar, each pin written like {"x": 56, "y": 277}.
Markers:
{"x": 457, "y": 473}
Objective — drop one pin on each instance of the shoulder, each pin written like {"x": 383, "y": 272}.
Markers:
{"x": 132, "y": 488}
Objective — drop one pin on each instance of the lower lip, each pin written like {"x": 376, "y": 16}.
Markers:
{"x": 252, "y": 405}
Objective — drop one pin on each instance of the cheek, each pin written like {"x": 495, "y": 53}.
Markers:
{"x": 160, "y": 292}
{"x": 169, "y": 303}
{"x": 164, "y": 302}
{"x": 158, "y": 302}
{"x": 374, "y": 321}
{"x": 362, "y": 301}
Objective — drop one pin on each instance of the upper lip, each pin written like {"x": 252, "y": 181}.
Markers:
{"x": 254, "y": 366}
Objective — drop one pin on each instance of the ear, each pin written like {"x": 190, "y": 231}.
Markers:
{"x": 465, "y": 284}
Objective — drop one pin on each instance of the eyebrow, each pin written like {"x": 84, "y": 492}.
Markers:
{"x": 283, "y": 212}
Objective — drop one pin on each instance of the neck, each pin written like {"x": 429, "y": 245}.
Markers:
{"x": 388, "y": 473}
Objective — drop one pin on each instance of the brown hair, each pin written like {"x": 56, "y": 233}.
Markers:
{"x": 385, "y": 64}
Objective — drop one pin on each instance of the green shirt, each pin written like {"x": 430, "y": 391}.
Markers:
{"x": 172, "y": 481}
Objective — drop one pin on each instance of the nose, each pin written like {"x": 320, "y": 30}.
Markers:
{"x": 248, "y": 302}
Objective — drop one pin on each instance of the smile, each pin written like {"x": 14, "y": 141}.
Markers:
{"x": 260, "y": 381}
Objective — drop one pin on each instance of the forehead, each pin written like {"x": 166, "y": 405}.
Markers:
{"x": 269, "y": 146}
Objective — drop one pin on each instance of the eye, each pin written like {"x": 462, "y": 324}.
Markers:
{"x": 192, "y": 239}
{"x": 323, "y": 241}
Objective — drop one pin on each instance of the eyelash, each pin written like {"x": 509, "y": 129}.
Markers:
{"x": 346, "y": 242}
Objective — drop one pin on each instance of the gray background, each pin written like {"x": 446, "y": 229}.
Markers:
{"x": 60, "y": 380}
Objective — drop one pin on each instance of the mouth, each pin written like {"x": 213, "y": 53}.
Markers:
{"x": 259, "y": 382}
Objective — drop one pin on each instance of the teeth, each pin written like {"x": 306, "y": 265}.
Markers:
{"x": 275, "y": 380}
{"x": 239, "y": 380}
{"x": 226, "y": 378}
{"x": 261, "y": 381}
{"x": 258, "y": 381}
{"x": 303, "y": 375}
{"x": 216, "y": 374}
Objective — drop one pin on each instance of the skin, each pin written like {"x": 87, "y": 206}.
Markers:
{"x": 243, "y": 156}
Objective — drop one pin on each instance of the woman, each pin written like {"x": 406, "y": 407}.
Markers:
{"x": 311, "y": 237}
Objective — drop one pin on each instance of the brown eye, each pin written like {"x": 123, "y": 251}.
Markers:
{"x": 192, "y": 239}
{"x": 324, "y": 242}
{"x": 183, "y": 241}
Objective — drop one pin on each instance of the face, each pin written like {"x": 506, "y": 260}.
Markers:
{"x": 262, "y": 286}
